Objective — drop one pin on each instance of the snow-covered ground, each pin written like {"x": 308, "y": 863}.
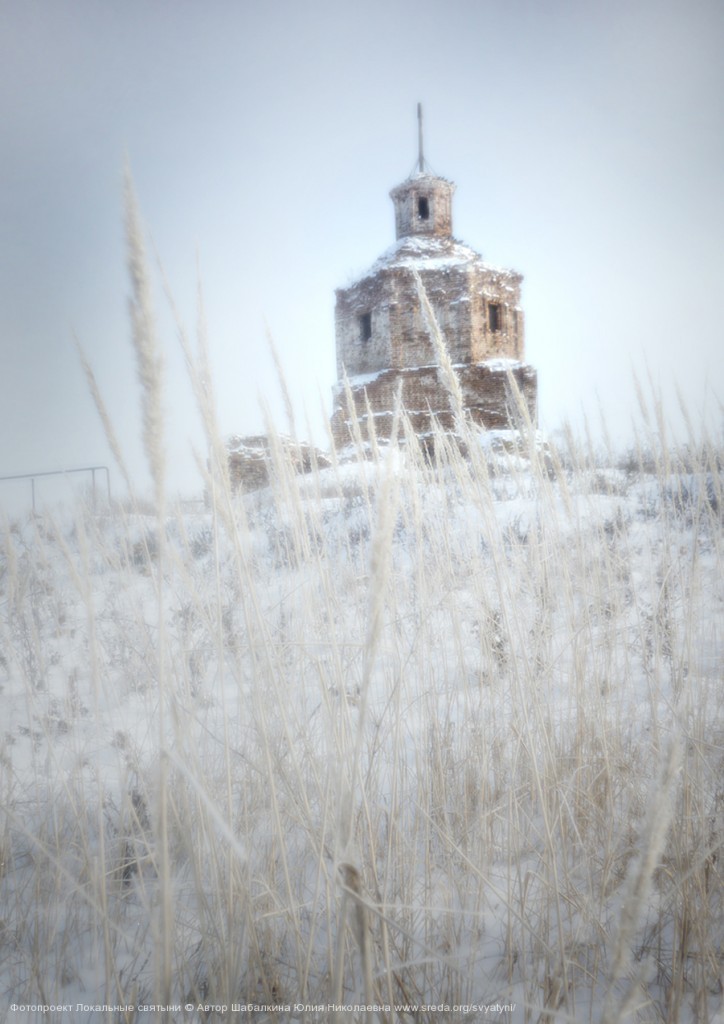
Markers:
{"x": 395, "y": 733}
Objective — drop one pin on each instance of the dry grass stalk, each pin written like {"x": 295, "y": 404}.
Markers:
{"x": 145, "y": 342}
{"x": 105, "y": 418}
{"x": 149, "y": 366}
{"x": 447, "y": 370}
{"x": 635, "y": 900}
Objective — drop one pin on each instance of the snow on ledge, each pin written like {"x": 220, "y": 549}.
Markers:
{"x": 500, "y": 364}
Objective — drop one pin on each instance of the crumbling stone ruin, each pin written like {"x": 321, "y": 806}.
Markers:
{"x": 383, "y": 339}
{"x": 251, "y": 459}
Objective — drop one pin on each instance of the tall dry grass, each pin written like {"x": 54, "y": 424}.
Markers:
{"x": 405, "y": 732}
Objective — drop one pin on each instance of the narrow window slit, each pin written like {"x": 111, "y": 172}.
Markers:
{"x": 365, "y": 326}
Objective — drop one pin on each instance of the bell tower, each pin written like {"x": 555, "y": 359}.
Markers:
{"x": 423, "y": 202}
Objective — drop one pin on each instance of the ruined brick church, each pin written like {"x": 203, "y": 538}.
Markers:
{"x": 383, "y": 339}
{"x": 384, "y": 342}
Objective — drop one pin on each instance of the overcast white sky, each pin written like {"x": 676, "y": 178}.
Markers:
{"x": 586, "y": 140}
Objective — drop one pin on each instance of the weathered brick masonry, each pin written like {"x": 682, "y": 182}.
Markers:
{"x": 485, "y": 388}
{"x": 251, "y": 461}
{"x": 383, "y": 340}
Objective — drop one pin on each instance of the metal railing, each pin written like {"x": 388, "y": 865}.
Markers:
{"x": 32, "y": 477}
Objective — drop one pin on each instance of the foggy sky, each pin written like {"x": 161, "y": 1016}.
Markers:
{"x": 586, "y": 140}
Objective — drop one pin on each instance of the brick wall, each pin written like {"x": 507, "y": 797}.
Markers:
{"x": 485, "y": 388}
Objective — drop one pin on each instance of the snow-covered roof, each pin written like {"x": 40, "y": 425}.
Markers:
{"x": 426, "y": 252}
{"x": 424, "y": 178}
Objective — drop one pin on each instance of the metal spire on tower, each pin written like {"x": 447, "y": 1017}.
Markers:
{"x": 421, "y": 158}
